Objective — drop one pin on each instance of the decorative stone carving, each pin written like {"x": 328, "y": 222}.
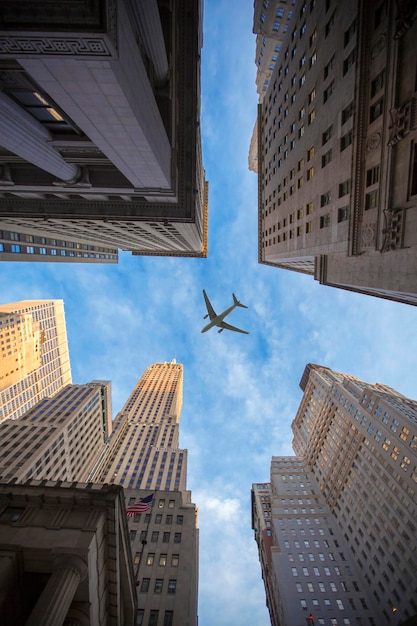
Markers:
{"x": 368, "y": 235}
{"x": 400, "y": 123}
{"x": 378, "y": 46}
{"x": 404, "y": 17}
{"x": 393, "y": 230}
{"x": 24, "y": 44}
{"x": 373, "y": 142}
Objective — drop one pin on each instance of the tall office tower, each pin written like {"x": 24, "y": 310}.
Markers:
{"x": 336, "y": 146}
{"x": 100, "y": 143}
{"x": 306, "y": 565}
{"x": 356, "y": 445}
{"x": 61, "y": 438}
{"x": 34, "y": 357}
{"x": 145, "y": 458}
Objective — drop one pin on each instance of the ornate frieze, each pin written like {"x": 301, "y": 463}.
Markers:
{"x": 393, "y": 230}
{"x": 400, "y": 123}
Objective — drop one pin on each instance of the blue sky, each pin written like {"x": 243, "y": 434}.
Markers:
{"x": 240, "y": 392}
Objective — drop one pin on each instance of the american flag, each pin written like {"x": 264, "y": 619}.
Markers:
{"x": 143, "y": 505}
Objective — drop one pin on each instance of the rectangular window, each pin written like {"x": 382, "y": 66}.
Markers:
{"x": 327, "y": 135}
{"x": 371, "y": 199}
{"x": 172, "y": 585}
{"x": 329, "y": 25}
{"x": 175, "y": 559}
{"x": 372, "y": 176}
{"x": 325, "y": 198}
{"x": 177, "y": 537}
{"x": 344, "y": 188}
{"x": 325, "y": 220}
{"x": 162, "y": 560}
{"x": 326, "y": 158}
{"x": 145, "y": 585}
{"x": 165, "y": 537}
{"x": 309, "y": 227}
{"x": 310, "y": 153}
{"x": 349, "y": 33}
{"x": 347, "y": 113}
{"x": 328, "y": 92}
{"x": 413, "y": 173}
{"x": 328, "y": 68}
{"x": 376, "y": 110}
{"x": 311, "y": 116}
{"x": 342, "y": 214}
{"x": 158, "y": 585}
{"x": 346, "y": 140}
{"x": 150, "y": 558}
{"x": 168, "y": 618}
{"x": 15, "y": 247}
{"x": 154, "y": 536}
{"x": 153, "y": 617}
{"x": 378, "y": 83}
{"x": 348, "y": 62}
{"x": 309, "y": 208}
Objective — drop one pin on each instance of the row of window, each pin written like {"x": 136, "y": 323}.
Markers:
{"x": 166, "y": 536}
{"x": 159, "y": 585}
{"x": 154, "y": 617}
{"x": 158, "y": 518}
{"x": 19, "y": 249}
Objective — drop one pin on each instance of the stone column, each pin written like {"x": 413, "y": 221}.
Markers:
{"x": 21, "y": 134}
{"x": 55, "y": 600}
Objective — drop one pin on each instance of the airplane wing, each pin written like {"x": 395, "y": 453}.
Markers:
{"x": 229, "y": 327}
{"x": 210, "y": 310}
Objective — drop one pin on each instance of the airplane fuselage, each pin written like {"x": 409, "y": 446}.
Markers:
{"x": 219, "y": 318}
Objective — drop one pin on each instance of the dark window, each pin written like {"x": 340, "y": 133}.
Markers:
{"x": 372, "y": 176}
{"x": 168, "y": 618}
{"x": 325, "y": 220}
{"x": 145, "y": 585}
{"x": 378, "y": 83}
{"x": 153, "y": 617}
{"x": 342, "y": 214}
{"x": 346, "y": 140}
{"x": 413, "y": 181}
{"x": 376, "y": 110}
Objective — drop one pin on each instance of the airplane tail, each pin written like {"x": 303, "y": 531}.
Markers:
{"x": 237, "y": 303}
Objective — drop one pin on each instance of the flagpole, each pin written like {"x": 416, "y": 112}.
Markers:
{"x": 144, "y": 541}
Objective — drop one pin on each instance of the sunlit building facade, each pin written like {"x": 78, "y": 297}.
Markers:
{"x": 60, "y": 438}
{"x": 335, "y": 148}
{"x": 355, "y": 478}
{"x": 144, "y": 456}
{"x": 100, "y": 145}
{"x": 34, "y": 357}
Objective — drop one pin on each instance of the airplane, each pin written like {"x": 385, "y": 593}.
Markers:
{"x": 217, "y": 320}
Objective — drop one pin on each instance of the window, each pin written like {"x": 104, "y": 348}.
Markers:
{"x": 313, "y": 58}
{"x": 372, "y": 176}
{"x": 161, "y": 504}
{"x": 376, "y": 110}
{"x": 346, "y": 140}
{"x": 162, "y": 560}
{"x": 172, "y": 585}
{"x": 155, "y": 536}
{"x": 177, "y": 537}
{"x": 312, "y": 96}
{"x": 30, "y": 249}
{"x": 150, "y": 558}
{"x": 325, "y": 220}
{"x": 132, "y": 535}
{"x": 168, "y": 519}
{"x": 168, "y": 618}
{"x": 344, "y": 188}
{"x": 310, "y": 153}
{"x": 328, "y": 92}
{"x": 145, "y": 585}
{"x": 139, "y": 617}
{"x": 171, "y": 504}
{"x": 378, "y": 83}
{"x": 310, "y": 173}
{"x": 153, "y": 617}
{"x": 175, "y": 559}
{"x": 349, "y": 33}
{"x": 165, "y": 537}
{"x": 309, "y": 208}
{"x": 342, "y": 214}
{"x": 158, "y": 585}
{"x": 348, "y": 62}
{"x": 326, "y": 158}
{"x": 347, "y": 113}
{"x": 180, "y": 519}
{"x": 311, "y": 116}
{"x": 325, "y": 198}
{"x": 328, "y": 68}
{"x": 329, "y": 25}
{"x": 327, "y": 135}
{"x": 309, "y": 227}
{"x": 15, "y": 247}
{"x": 11, "y": 514}
{"x": 371, "y": 200}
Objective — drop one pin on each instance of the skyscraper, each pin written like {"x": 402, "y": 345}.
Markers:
{"x": 60, "y": 438}
{"x": 34, "y": 357}
{"x": 335, "y": 143}
{"x": 100, "y": 144}
{"x": 144, "y": 457}
{"x": 341, "y": 514}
